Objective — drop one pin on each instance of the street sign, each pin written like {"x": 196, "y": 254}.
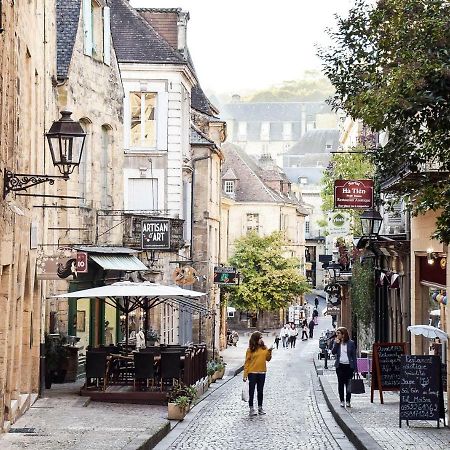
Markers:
{"x": 353, "y": 194}
{"x": 226, "y": 275}
{"x": 82, "y": 262}
{"x": 338, "y": 223}
{"x": 155, "y": 234}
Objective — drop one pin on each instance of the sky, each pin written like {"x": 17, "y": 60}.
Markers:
{"x": 242, "y": 45}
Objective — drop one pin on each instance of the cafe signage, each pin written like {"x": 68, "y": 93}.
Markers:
{"x": 155, "y": 234}
{"x": 226, "y": 275}
{"x": 353, "y": 194}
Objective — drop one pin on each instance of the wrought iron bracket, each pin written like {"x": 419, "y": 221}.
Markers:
{"x": 14, "y": 182}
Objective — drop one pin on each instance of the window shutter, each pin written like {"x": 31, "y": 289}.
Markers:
{"x": 107, "y": 35}
{"x": 161, "y": 121}
{"x": 87, "y": 27}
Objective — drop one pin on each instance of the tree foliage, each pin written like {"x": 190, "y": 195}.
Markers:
{"x": 345, "y": 166}
{"x": 270, "y": 280}
{"x": 390, "y": 66}
{"x": 312, "y": 87}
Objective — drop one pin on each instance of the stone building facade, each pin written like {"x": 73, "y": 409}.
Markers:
{"x": 27, "y": 62}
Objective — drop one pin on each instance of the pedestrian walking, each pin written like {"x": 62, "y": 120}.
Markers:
{"x": 284, "y": 335}
{"x": 255, "y": 370}
{"x": 305, "y": 330}
{"x": 316, "y": 303}
{"x": 277, "y": 341}
{"x": 293, "y": 335}
{"x": 315, "y": 316}
{"x": 345, "y": 350}
{"x": 311, "y": 326}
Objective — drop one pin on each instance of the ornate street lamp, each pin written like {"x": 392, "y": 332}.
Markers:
{"x": 371, "y": 222}
{"x": 66, "y": 141}
{"x": 334, "y": 270}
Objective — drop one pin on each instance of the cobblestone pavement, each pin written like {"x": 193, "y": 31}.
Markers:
{"x": 296, "y": 413}
{"x": 381, "y": 421}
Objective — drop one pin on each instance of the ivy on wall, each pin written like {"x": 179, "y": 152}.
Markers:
{"x": 363, "y": 290}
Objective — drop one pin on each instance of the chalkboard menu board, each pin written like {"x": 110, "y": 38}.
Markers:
{"x": 386, "y": 367}
{"x": 421, "y": 396}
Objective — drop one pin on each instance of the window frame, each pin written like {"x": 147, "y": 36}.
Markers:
{"x": 228, "y": 183}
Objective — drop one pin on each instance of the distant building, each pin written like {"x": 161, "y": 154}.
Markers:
{"x": 274, "y": 127}
{"x": 304, "y": 165}
{"x": 257, "y": 196}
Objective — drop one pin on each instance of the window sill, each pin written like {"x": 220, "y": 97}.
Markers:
{"x": 143, "y": 151}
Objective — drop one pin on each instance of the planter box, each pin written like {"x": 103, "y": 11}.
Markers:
{"x": 220, "y": 373}
{"x": 174, "y": 412}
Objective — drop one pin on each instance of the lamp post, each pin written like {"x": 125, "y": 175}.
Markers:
{"x": 66, "y": 140}
{"x": 371, "y": 221}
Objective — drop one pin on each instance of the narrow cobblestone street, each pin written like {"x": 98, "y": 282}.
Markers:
{"x": 297, "y": 416}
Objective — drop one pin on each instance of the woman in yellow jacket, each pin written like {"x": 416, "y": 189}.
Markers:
{"x": 255, "y": 369}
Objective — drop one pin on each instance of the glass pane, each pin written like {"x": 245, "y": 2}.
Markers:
{"x": 135, "y": 125}
{"x": 150, "y": 123}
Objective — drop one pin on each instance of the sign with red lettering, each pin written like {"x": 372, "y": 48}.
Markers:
{"x": 82, "y": 262}
{"x": 353, "y": 194}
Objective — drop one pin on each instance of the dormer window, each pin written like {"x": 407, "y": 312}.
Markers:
{"x": 328, "y": 147}
{"x": 229, "y": 187}
{"x": 303, "y": 180}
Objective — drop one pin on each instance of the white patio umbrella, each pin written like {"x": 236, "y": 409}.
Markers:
{"x": 428, "y": 331}
{"x": 127, "y": 296}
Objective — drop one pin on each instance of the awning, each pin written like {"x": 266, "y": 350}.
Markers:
{"x": 127, "y": 263}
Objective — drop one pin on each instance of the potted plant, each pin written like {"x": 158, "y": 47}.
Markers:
{"x": 220, "y": 369}
{"x": 179, "y": 401}
{"x": 178, "y": 409}
{"x": 55, "y": 359}
{"x": 152, "y": 337}
{"x": 211, "y": 370}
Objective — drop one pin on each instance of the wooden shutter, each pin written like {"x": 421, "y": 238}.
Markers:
{"x": 107, "y": 35}
{"x": 87, "y": 27}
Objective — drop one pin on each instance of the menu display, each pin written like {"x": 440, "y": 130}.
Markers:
{"x": 386, "y": 367}
{"x": 421, "y": 395}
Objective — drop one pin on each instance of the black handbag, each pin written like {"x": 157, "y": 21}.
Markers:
{"x": 357, "y": 384}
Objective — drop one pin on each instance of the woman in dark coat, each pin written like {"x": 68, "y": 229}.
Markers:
{"x": 345, "y": 350}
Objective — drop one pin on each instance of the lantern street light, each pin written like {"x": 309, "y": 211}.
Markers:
{"x": 371, "y": 222}
{"x": 66, "y": 141}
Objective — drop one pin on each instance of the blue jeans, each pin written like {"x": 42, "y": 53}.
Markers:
{"x": 256, "y": 380}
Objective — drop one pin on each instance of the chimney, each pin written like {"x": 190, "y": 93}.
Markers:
{"x": 183, "y": 17}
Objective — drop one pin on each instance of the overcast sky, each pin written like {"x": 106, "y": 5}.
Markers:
{"x": 239, "y": 45}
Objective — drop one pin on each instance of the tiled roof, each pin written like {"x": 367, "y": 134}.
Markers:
{"x": 160, "y": 10}
{"x": 272, "y": 111}
{"x": 198, "y": 138}
{"x": 67, "y": 18}
{"x": 315, "y": 141}
{"x": 251, "y": 186}
{"x": 135, "y": 40}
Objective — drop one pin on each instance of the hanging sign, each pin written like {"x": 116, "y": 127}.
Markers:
{"x": 155, "y": 234}
{"x": 226, "y": 275}
{"x": 82, "y": 262}
{"x": 353, "y": 194}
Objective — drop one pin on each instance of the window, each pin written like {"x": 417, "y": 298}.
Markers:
{"x": 252, "y": 222}
{"x": 96, "y": 28}
{"x": 242, "y": 131}
{"x": 229, "y": 187}
{"x": 142, "y": 194}
{"x": 265, "y": 131}
{"x": 307, "y": 227}
{"x": 303, "y": 180}
{"x": 328, "y": 146}
{"x": 142, "y": 119}
{"x": 287, "y": 131}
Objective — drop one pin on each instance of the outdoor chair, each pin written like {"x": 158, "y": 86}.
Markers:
{"x": 170, "y": 367}
{"x": 152, "y": 350}
{"x": 96, "y": 368}
{"x": 144, "y": 368}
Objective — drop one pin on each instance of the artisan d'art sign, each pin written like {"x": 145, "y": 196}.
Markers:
{"x": 353, "y": 194}
{"x": 155, "y": 234}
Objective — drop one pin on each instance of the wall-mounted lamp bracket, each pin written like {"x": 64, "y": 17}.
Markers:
{"x": 14, "y": 182}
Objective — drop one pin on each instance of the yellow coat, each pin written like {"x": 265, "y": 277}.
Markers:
{"x": 256, "y": 361}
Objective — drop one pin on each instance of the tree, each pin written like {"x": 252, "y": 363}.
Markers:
{"x": 270, "y": 280}
{"x": 345, "y": 166}
{"x": 390, "y": 67}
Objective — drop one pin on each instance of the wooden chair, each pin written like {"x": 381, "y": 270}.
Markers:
{"x": 144, "y": 368}
{"x": 170, "y": 366}
{"x": 96, "y": 368}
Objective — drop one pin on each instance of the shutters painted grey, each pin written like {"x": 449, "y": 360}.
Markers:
{"x": 87, "y": 27}
{"x": 142, "y": 194}
{"x": 107, "y": 35}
